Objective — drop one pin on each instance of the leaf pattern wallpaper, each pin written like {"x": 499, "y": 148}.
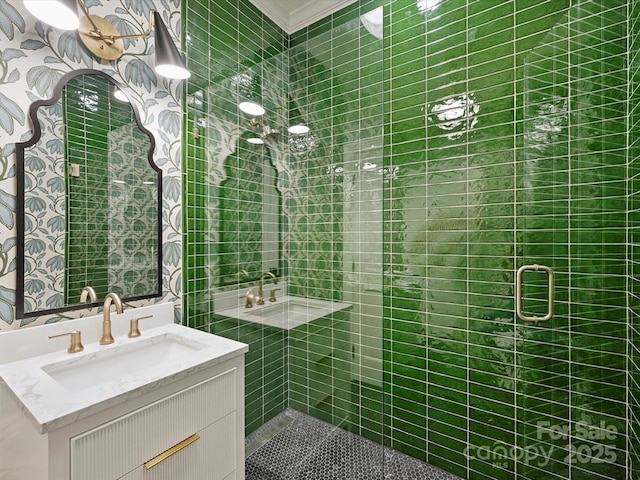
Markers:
{"x": 33, "y": 58}
{"x": 44, "y": 220}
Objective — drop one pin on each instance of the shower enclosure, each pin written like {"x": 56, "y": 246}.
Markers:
{"x": 451, "y": 142}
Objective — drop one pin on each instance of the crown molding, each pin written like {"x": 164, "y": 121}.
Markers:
{"x": 304, "y": 13}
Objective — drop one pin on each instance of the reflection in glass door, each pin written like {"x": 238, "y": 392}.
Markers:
{"x": 571, "y": 218}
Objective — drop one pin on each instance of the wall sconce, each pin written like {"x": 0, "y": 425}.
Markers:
{"x": 267, "y": 133}
{"x": 103, "y": 40}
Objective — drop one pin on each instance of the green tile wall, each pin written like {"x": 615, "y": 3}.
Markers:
{"x": 468, "y": 88}
{"x": 87, "y": 242}
{"x": 240, "y": 204}
{"x": 633, "y": 240}
{"x": 405, "y": 366}
{"x": 504, "y": 135}
{"x": 336, "y": 74}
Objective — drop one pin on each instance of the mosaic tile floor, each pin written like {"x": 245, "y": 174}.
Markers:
{"x": 295, "y": 446}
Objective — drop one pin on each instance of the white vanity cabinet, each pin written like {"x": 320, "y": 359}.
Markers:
{"x": 174, "y": 410}
{"x": 205, "y": 413}
{"x": 116, "y": 443}
{"x": 210, "y": 457}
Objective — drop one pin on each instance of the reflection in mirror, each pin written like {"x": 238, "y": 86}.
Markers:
{"x": 250, "y": 220}
{"x": 90, "y": 197}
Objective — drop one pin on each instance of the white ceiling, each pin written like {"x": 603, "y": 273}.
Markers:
{"x": 292, "y": 15}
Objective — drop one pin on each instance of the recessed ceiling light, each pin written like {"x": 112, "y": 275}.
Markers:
{"x": 255, "y": 140}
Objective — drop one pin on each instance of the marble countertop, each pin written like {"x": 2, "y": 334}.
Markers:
{"x": 49, "y": 405}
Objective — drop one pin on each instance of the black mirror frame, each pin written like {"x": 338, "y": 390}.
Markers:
{"x": 20, "y": 148}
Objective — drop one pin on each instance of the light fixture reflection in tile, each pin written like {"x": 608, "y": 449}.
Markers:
{"x": 369, "y": 166}
{"x": 298, "y": 129}
{"x": 373, "y": 22}
{"x": 299, "y": 145}
{"x": 426, "y": 5}
{"x": 119, "y": 95}
{"x": 251, "y": 108}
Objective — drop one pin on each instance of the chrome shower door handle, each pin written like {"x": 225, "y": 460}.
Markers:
{"x": 519, "y": 312}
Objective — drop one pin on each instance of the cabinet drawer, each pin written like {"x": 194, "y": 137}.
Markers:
{"x": 119, "y": 447}
{"x": 211, "y": 457}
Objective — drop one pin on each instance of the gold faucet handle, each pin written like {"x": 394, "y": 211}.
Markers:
{"x": 133, "y": 326}
{"x": 272, "y": 294}
{"x": 75, "y": 345}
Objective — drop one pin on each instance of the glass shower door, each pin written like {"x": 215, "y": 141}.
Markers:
{"x": 571, "y": 218}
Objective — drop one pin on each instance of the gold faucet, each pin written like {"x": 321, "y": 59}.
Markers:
{"x": 242, "y": 273}
{"x": 107, "y": 338}
{"x": 88, "y": 292}
{"x": 260, "y": 300}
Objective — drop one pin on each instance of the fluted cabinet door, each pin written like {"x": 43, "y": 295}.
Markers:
{"x": 115, "y": 449}
{"x": 211, "y": 457}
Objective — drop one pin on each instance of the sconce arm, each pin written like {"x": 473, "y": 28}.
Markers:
{"x": 96, "y": 33}
{"x": 85, "y": 10}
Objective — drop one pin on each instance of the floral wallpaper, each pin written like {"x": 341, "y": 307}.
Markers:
{"x": 44, "y": 206}
{"x": 33, "y": 57}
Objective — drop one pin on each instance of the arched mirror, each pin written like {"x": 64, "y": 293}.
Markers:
{"x": 250, "y": 219}
{"x": 89, "y": 200}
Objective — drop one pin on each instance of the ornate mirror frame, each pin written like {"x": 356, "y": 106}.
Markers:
{"x": 20, "y": 198}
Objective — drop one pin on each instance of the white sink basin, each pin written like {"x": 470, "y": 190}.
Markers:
{"x": 288, "y": 308}
{"x": 86, "y": 371}
{"x": 287, "y": 313}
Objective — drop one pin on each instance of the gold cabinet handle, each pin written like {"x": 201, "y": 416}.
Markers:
{"x": 167, "y": 453}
